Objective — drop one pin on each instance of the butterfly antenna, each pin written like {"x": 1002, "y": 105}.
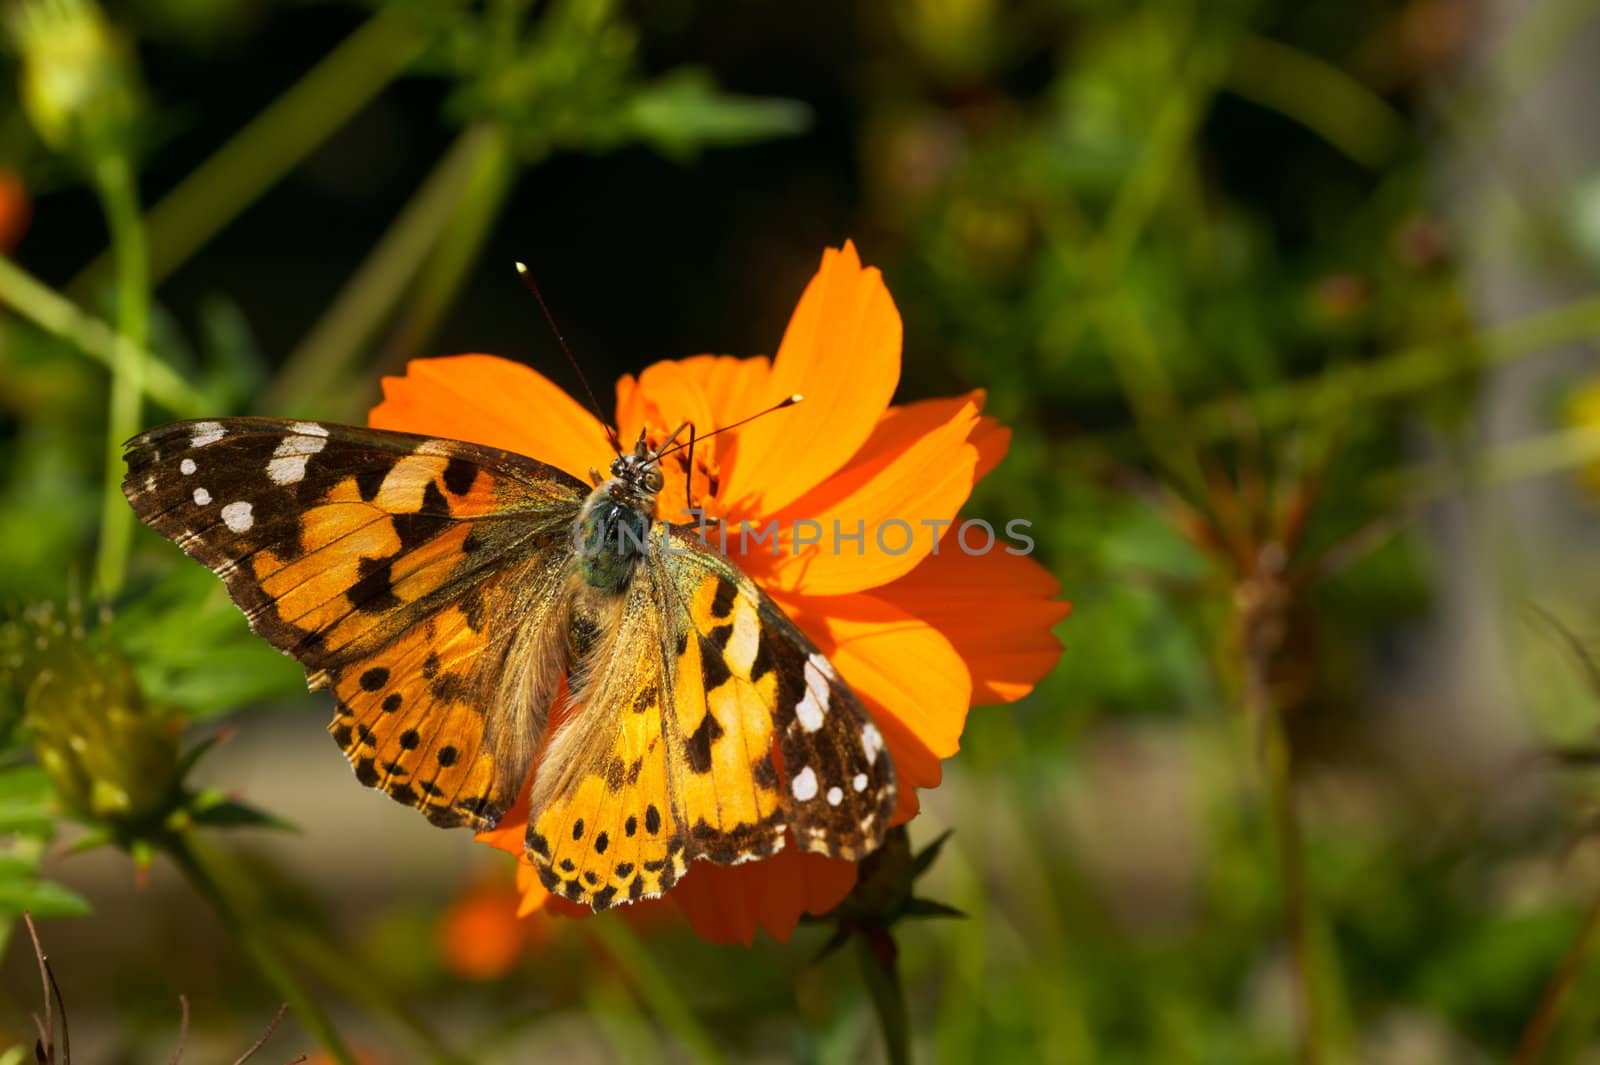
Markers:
{"x": 594, "y": 404}
{"x": 780, "y": 405}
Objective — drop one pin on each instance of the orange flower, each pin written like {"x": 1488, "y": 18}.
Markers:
{"x": 479, "y": 936}
{"x": 919, "y": 627}
{"x": 14, "y": 209}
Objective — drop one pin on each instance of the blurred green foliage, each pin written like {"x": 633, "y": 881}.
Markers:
{"x": 1220, "y": 266}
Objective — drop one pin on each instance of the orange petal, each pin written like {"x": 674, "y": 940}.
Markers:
{"x": 665, "y": 396}
{"x": 917, "y": 468}
{"x": 992, "y": 440}
{"x": 727, "y": 903}
{"x": 842, "y": 352}
{"x": 996, "y": 609}
{"x": 489, "y": 400}
{"x": 734, "y": 387}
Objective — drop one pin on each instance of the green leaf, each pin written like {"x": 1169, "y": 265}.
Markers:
{"x": 930, "y": 908}
{"x": 42, "y": 898}
{"x": 214, "y": 809}
{"x": 928, "y": 854}
{"x": 683, "y": 112}
{"x": 27, "y": 805}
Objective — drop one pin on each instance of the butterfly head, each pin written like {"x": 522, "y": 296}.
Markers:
{"x": 636, "y": 477}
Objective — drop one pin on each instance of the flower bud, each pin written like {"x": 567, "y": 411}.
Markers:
{"x": 109, "y": 755}
{"x": 80, "y": 85}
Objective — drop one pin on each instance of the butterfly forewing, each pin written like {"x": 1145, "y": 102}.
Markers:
{"x": 375, "y": 559}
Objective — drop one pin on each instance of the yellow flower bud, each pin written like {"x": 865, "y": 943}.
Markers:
{"x": 79, "y": 84}
{"x": 109, "y": 755}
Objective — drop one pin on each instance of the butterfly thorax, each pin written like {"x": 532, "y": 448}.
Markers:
{"x": 613, "y": 529}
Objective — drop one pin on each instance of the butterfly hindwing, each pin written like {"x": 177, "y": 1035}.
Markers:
{"x": 726, "y": 691}
{"x": 607, "y": 822}
{"x": 374, "y": 558}
{"x": 834, "y": 788}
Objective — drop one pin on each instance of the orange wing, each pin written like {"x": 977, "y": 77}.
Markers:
{"x": 421, "y": 579}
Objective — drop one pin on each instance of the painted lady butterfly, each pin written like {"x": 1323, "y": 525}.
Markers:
{"x": 443, "y": 590}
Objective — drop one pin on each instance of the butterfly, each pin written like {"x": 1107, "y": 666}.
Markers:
{"x": 444, "y": 591}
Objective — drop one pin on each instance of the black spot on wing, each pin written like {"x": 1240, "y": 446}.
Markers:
{"x": 459, "y": 475}
{"x": 763, "y": 662}
{"x": 370, "y": 478}
{"x": 698, "y": 747}
{"x": 373, "y": 591}
{"x": 418, "y": 527}
{"x": 713, "y": 668}
{"x": 722, "y": 602}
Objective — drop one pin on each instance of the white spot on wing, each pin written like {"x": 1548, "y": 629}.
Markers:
{"x": 309, "y": 429}
{"x": 813, "y": 708}
{"x": 871, "y": 742}
{"x": 206, "y": 433}
{"x": 187, "y": 466}
{"x": 201, "y": 497}
{"x": 860, "y": 782}
{"x": 746, "y": 638}
{"x": 835, "y": 796}
{"x": 434, "y": 447}
{"x": 288, "y": 464}
{"x": 804, "y": 784}
{"x": 237, "y": 516}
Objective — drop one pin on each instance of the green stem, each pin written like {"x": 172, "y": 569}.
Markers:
{"x": 60, "y": 317}
{"x": 186, "y": 852}
{"x": 654, "y": 986}
{"x": 880, "y": 971}
{"x": 1319, "y": 96}
{"x": 341, "y": 334}
{"x": 276, "y": 140}
{"x": 1530, "y": 1048}
{"x": 1292, "y": 872}
{"x": 119, "y": 198}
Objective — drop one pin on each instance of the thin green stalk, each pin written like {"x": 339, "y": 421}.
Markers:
{"x": 339, "y": 971}
{"x": 1535, "y": 1037}
{"x": 1403, "y": 372}
{"x": 1298, "y": 925}
{"x": 60, "y": 317}
{"x": 276, "y": 140}
{"x": 340, "y": 336}
{"x": 1539, "y": 456}
{"x": 119, "y": 198}
{"x": 456, "y": 252}
{"x": 654, "y": 987}
{"x": 1319, "y": 96}
{"x": 880, "y": 970}
{"x": 185, "y": 852}
{"x": 1157, "y": 414}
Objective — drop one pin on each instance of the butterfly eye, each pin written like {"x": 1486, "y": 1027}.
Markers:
{"x": 653, "y": 479}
